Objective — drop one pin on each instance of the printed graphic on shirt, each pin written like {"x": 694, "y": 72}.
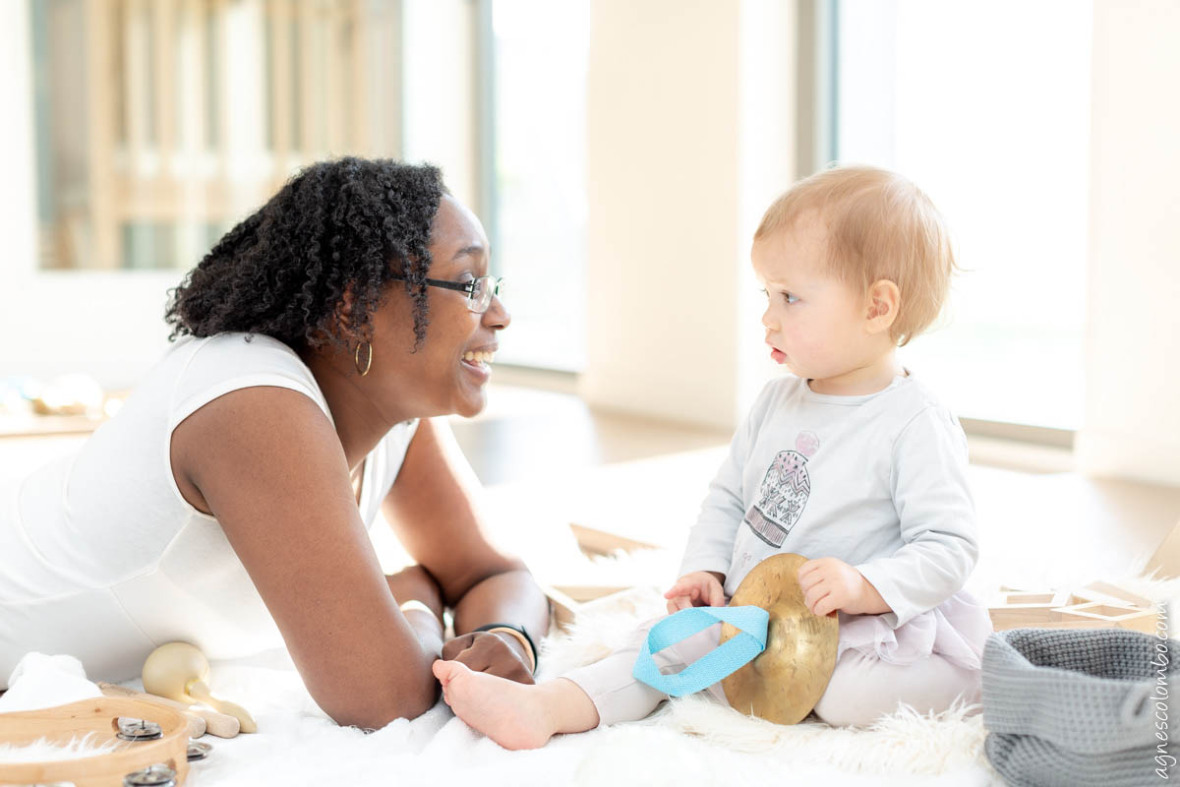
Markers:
{"x": 784, "y": 492}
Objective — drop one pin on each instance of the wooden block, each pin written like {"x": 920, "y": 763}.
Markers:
{"x": 1096, "y": 614}
{"x": 1108, "y": 591}
{"x": 593, "y": 541}
{"x": 1014, "y": 617}
{"x": 582, "y": 593}
{"x": 1034, "y": 598}
{"x": 1028, "y": 599}
{"x": 567, "y": 606}
{"x": 565, "y": 609}
{"x": 1025, "y": 608}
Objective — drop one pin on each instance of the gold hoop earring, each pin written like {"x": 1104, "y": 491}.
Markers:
{"x": 356, "y": 358}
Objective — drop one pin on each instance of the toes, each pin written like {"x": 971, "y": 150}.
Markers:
{"x": 447, "y": 671}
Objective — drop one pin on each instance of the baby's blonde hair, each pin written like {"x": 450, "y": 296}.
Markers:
{"x": 878, "y": 225}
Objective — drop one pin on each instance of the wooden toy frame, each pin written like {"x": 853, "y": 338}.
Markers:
{"x": 1097, "y": 605}
{"x": 98, "y": 717}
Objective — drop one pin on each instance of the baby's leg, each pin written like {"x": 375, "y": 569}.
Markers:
{"x": 618, "y": 696}
{"x": 515, "y": 715}
{"x": 518, "y": 716}
{"x": 864, "y": 688}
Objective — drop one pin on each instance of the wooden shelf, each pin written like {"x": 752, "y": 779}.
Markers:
{"x": 48, "y": 425}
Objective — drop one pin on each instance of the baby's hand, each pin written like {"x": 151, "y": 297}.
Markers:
{"x": 830, "y": 584}
{"x": 698, "y": 589}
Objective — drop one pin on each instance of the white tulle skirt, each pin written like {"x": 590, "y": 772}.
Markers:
{"x": 956, "y": 629}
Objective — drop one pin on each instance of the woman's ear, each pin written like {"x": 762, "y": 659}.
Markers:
{"x": 884, "y": 300}
{"x": 342, "y": 323}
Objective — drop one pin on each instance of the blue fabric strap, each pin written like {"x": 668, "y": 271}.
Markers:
{"x": 713, "y": 666}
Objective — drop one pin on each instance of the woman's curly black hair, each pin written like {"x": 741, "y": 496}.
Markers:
{"x": 349, "y": 224}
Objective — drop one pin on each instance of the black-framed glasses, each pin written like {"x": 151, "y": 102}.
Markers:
{"x": 479, "y": 291}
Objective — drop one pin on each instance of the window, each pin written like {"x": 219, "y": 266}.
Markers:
{"x": 986, "y": 108}
{"x": 537, "y": 212}
{"x": 161, "y": 124}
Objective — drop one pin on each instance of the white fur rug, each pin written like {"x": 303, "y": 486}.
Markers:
{"x": 688, "y": 741}
{"x": 44, "y": 750}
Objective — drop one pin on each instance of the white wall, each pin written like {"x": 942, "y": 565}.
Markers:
{"x": 1132, "y": 416}
{"x": 687, "y": 142}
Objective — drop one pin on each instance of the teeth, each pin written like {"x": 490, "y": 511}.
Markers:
{"x": 480, "y": 357}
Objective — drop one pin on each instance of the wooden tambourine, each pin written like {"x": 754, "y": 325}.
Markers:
{"x": 100, "y": 717}
{"x": 784, "y": 682}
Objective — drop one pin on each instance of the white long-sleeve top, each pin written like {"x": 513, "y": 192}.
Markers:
{"x": 878, "y": 481}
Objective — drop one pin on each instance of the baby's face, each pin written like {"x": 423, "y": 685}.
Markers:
{"x": 815, "y": 323}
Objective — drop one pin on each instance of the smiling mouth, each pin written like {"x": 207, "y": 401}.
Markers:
{"x": 479, "y": 358}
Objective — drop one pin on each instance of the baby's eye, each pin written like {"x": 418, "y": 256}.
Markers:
{"x": 764, "y": 292}
{"x": 789, "y": 298}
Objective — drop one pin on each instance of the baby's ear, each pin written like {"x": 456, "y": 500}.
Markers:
{"x": 883, "y": 302}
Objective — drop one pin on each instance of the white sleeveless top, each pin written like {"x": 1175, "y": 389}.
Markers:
{"x": 102, "y": 558}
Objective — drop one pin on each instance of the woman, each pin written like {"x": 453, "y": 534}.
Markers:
{"x": 229, "y": 501}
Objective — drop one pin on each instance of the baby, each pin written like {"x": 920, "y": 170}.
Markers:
{"x": 850, "y": 461}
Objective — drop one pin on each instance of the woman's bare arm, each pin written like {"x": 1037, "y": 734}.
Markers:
{"x": 433, "y": 515}
{"x": 267, "y": 463}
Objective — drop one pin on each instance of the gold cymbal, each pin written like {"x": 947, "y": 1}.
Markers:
{"x": 787, "y": 679}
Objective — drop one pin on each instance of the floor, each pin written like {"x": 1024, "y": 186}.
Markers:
{"x": 545, "y": 460}
{"x": 1041, "y": 524}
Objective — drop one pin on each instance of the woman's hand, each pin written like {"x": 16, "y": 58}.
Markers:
{"x": 496, "y": 654}
{"x": 414, "y": 583}
{"x": 830, "y": 585}
{"x": 698, "y": 589}
{"x": 420, "y": 600}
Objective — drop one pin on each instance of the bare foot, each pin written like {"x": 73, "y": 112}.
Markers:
{"x": 512, "y": 714}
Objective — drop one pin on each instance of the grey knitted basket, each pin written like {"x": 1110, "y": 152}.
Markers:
{"x": 1080, "y": 707}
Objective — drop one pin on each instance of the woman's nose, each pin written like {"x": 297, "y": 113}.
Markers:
{"x": 497, "y": 316}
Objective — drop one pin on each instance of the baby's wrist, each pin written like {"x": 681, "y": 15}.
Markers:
{"x": 869, "y": 600}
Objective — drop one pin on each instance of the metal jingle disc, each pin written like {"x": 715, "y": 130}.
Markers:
{"x": 138, "y": 730}
{"x": 198, "y": 750}
{"x": 159, "y": 775}
{"x": 787, "y": 679}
